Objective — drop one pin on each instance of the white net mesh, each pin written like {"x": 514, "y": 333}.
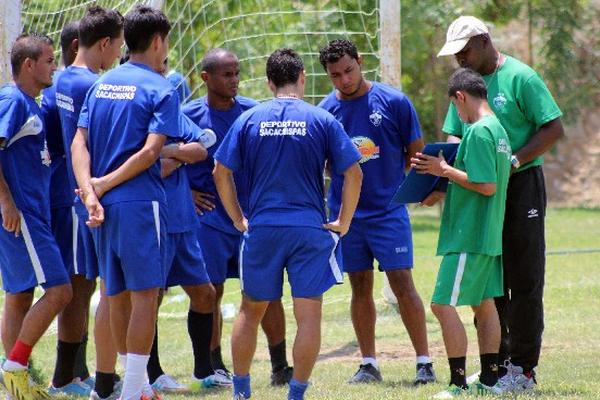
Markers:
{"x": 252, "y": 29}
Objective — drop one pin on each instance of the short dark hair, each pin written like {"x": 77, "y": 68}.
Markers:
{"x": 27, "y": 45}
{"x": 467, "y": 80}
{"x": 210, "y": 61}
{"x": 98, "y": 23}
{"x": 142, "y": 24}
{"x": 284, "y": 67}
{"x": 69, "y": 33}
{"x": 335, "y": 50}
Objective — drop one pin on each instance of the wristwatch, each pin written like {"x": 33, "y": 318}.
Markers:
{"x": 515, "y": 161}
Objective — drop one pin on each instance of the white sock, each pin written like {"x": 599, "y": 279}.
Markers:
{"x": 370, "y": 360}
{"x": 423, "y": 360}
{"x": 12, "y": 366}
{"x": 135, "y": 376}
{"x": 122, "y": 360}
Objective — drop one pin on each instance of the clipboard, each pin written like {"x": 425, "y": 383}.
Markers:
{"x": 416, "y": 187}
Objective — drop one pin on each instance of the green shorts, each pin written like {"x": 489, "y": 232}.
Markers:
{"x": 466, "y": 279}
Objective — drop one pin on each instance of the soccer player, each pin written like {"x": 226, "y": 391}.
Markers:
{"x": 471, "y": 233}
{"x": 383, "y": 124}
{"x": 100, "y": 42}
{"x": 282, "y": 146}
{"x": 124, "y": 122}
{"x": 70, "y": 357}
{"x": 527, "y": 111}
{"x": 29, "y": 255}
{"x": 218, "y": 238}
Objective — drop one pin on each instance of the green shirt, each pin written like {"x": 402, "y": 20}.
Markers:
{"x": 520, "y": 100}
{"x": 472, "y": 222}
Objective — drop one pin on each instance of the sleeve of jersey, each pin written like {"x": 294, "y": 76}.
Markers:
{"x": 190, "y": 132}
{"x": 229, "y": 152}
{"x": 452, "y": 124}
{"x": 165, "y": 119}
{"x": 11, "y": 117}
{"x": 537, "y": 102}
{"x": 342, "y": 152}
{"x": 84, "y": 115}
{"x": 410, "y": 127}
{"x": 480, "y": 157}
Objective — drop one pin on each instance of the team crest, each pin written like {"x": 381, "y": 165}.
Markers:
{"x": 499, "y": 101}
{"x": 375, "y": 118}
{"x": 366, "y": 147}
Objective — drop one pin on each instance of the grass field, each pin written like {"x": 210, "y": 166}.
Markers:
{"x": 570, "y": 357}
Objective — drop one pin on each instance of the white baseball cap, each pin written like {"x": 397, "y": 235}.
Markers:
{"x": 460, "y": 31}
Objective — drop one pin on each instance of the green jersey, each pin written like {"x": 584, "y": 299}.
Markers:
{"x": 520, "y": 100}
{"x": 472, "y": 222}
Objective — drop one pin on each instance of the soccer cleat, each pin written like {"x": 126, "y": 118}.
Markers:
{"x": 480, "y": 389}
{"x": 240, "y": 396}
{"x": 452, "y": 392}
{"x": 76, "y": 388}
{"x": 90, "y": 381}
{"x": 425, "y": 374}
{"x": 225, "y": 372}
{"x": 366, "y": 373}
{"x": 17, "y": 384}
{"x": 148, "y": 392}
{"x": 115, "y": 395}
{"x": 515, "y": 381}
{"x": 282, "y": 377}
{"x": 166, "y": 383}
{"x": 215, "y": 380}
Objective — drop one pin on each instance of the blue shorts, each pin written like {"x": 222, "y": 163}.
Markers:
{"x": 387, "y": 238}
{"x": 31, "y": 259}
{"x": 184, "y": 262}
{"x": 311, "y": 257}
{"x": 221, "y": 252}
{"x": 131, "y": 246}
{"x": 75, "y": 253}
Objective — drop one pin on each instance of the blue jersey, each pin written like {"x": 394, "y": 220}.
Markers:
{"x": 282, "y": 146}
{"x": 121, "y": 109}
{"x": 382, "y": 124}
{"x": 25, "y": 158}
{"x": 181, "y": 210}
{"x": 200, "y": 174}
{"x": 180, "y": 84}
{"x": 61, "y": 194}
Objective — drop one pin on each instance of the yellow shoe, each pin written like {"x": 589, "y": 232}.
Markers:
{"x": 17, "y": 383}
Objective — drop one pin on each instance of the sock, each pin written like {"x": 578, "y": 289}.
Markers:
{"x": 200, "y": 331}
{"x": 80, "y": 370}
{"x": 154, "y": 369}
{"x": 297, "y": 390}
{"x": 65, "y": 363}
{"x": 278, "y": 357}
{"x": 241, "y": 386}
{"x": 122, "y": 360}
{"x": 20, "y": 353}
{"x": 11, "y": 366}
{"x": 489, "y": 369}
{"x": 370, "y": 360}
{"x": 216, "y": 358}
{"x": 135, "y": 376}
{"x": 423, "y": 360}
{"x": 105, "y": 384}
{"x": 457, "y": 371}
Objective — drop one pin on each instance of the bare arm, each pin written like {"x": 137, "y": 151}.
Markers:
{"x": 541, "y": 142}
{"x": 11, "y": 220}
{"x": 412, "y": 149}
{"x": 350, "y": 195}
{"x": 188, "y": 153}
{"x": 80, "y": 156}
{"x": 223, "y": 177}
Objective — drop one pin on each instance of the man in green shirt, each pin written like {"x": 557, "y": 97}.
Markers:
{"x": 526, "y": 109}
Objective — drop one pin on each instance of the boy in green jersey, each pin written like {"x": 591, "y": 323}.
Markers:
{"x": 471, "y": 231}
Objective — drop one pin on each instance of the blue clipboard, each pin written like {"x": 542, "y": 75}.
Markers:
{"x": 416, "y": 187}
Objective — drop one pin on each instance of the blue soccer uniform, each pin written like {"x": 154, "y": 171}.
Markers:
{"x": 33, "y": 258}
{"x": 71, "y": 89}
{"x": 218, "y": 238}
{"x": 120, "y": 110}
{"x": 282, "y": 146}
{"x": 382, "y": 124}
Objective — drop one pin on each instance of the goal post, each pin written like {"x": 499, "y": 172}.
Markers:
{"x": 10, "y": 28}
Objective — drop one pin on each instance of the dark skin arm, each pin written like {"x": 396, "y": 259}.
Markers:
{"x": 542, "y": 141}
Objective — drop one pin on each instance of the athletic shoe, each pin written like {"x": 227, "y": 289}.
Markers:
{"x": 225, "y": 372}
{"x": 282, "y": 377}
{"x": 215, "y": 380}
{"x": 166, "y": 383}
{"x": 452, "y": 392}
{"x": 117, "y": 388}
{"x": 366, "y": 373}
{"x": 480, "y": 389}
{"x": 515, "y": 381}
{"x": 76, "y": 388}
{"x": 425, "y": 374}
{"x": 240, "y": 396}
{"x": 148, "y": 392}
{"x": 17, "y": 384}
{"x": 90, "y": 381}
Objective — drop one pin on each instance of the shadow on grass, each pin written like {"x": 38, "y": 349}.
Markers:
{"x": 346, "y": 350}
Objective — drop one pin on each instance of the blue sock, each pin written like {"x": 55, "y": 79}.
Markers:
{"x": 241, "y": 385}
{"x": 297, "y": 390}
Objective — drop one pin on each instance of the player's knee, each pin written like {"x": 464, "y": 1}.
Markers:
{"x": 438, "y": 310}
{"x": 59, "y": 296}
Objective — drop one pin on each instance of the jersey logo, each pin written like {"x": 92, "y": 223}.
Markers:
{"x": 45, "y": 154}
{"x": 375, "y": 118}
{"x": 366, "y": 147}
{"x": 504, "y": 147}
{"x": 500, "y": 101}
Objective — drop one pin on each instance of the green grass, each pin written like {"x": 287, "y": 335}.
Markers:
{"x": 570, "y": 356}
